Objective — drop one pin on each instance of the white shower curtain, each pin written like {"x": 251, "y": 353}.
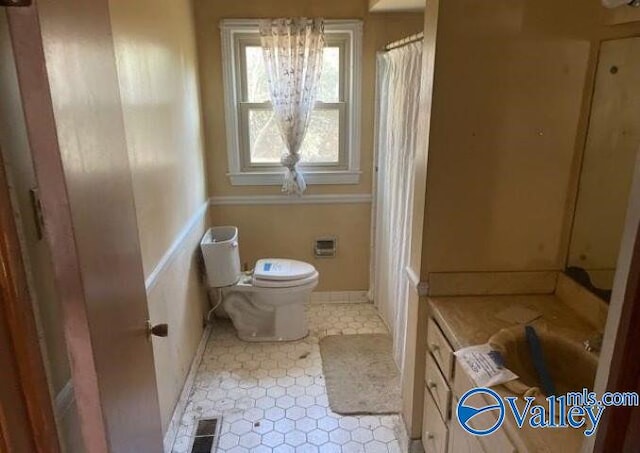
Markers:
{"x": 398, "y": 74}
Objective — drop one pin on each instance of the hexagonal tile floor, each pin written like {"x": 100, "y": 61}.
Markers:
{"x": 272, "y": 396}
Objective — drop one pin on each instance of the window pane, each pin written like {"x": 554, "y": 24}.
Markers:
{"x": 265, "y": 143}
{"x": 321, "y": 144}
{"x": 257, "y": 85}
{"x": 330, "y": 77}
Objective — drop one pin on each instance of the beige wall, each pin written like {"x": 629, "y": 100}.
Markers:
{"x": 508, "y": 95}
{"x": 178, "y": 298}
{"x": 264, "y": 232}
{"x": 158, "y": 77}
{"x": 158, "y": 74}
{"x": 350, "y": 270}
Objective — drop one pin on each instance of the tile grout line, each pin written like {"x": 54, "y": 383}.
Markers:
{"x": 273, "y": 394}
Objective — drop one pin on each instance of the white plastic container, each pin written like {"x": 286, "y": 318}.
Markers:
{"x": 221, "y": 256}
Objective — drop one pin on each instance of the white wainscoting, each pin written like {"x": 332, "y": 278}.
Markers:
{"x": 173, "y": 249}
{"x": 287, "y": 199}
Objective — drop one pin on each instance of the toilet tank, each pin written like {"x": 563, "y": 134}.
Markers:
{"x": 221, "y": 257}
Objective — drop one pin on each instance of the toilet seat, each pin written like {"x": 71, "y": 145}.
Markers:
{"x": 283, "y": 273}
{"x": 279, "y": 269}
{"x": 262, "y": 283}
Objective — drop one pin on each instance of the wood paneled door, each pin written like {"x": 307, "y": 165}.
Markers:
{"x": 65, "y": 62}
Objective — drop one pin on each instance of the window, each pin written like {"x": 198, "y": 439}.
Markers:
{"x": 330, "y": 152}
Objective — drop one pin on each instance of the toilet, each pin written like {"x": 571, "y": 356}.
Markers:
{"x": 265, "y": 304}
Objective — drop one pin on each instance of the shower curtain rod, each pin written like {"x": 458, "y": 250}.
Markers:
{"x": 404, "y": 41}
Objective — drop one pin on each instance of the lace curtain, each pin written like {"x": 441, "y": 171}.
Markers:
{"x": 293, "y": 55}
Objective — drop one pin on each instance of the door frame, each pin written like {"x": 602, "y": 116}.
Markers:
{"x": 620, "y": 356}
{"x": 619, "y": 427}
{"x": 27, "y": 421}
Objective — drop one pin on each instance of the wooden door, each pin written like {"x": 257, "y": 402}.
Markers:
{"x": 26, "y": 415}
{"x": 67, "y": 76}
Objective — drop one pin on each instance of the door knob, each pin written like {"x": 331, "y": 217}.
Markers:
{"x": 159, "y": 330}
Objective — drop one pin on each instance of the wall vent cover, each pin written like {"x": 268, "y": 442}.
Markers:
{"x": 206, "y": 436}
{"x": 325, "y": 247}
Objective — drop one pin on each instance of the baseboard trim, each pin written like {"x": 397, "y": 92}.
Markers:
{"x": 178, "y": 411}
{"x": 64, "y": 400}
{"x": 286, "y": 199}
{"x": 175, "y": 247}
{"x": 339, "y": 297}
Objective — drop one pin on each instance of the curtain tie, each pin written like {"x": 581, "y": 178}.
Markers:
{"x": 290, "y": 160}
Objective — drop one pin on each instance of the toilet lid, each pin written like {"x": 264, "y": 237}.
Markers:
{"x": 282, "y": 269}
{"x": 283, "y": 284}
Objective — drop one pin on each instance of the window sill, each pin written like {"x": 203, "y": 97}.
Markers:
{"x": 271, "y": 178}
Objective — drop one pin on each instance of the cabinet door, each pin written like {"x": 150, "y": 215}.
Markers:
{"x": 434, "y": 429}
{"x": 440, "y": 349}
{"x": 438, "y": 386}
{"x": 462, "y": 442}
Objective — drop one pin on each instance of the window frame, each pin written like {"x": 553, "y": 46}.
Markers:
{"x": 236, "y": 36}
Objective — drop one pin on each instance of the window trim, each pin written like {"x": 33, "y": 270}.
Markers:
{"x": 348, "y": 171}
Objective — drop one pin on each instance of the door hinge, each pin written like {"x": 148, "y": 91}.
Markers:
{"x": 38, "y": 217}
{"x": 15, "y": 2}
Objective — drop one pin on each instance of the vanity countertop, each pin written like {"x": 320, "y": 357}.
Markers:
{"x": 471, "y": 320}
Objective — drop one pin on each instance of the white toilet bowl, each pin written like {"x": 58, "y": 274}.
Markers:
{"x": 269, "y": 303}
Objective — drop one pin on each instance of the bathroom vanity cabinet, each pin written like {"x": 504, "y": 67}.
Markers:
{"x": 456, "y": 322}
{"x": 444, "y": 384}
